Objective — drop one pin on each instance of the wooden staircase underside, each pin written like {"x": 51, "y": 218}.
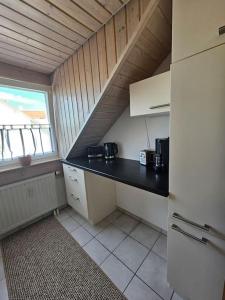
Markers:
{"x": 149, "y": 45}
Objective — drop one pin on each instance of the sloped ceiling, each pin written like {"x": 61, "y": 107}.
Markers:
{"x": 91, "y": 89}
{"x": 41, "y": 34}
{"x": 146, "y": 55}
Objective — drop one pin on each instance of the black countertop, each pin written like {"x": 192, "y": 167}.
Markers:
{"x": 125, "y": 170}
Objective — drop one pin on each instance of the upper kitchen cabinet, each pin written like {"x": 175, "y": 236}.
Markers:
{"x": 150, "y": 96}
{"x": 196, "y": 26}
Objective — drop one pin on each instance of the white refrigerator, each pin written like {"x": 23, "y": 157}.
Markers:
{"x": 196, "y": 252}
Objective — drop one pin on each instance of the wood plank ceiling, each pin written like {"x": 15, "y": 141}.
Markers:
{"x": 41, "y": 34}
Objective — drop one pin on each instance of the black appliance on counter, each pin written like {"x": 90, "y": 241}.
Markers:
{"x": 161, "y": 157}
{"x": 111, "y": 150}
{"x": 95, "y": 152}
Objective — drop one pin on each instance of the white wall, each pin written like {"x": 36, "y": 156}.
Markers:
{"x": 132, "y": 133}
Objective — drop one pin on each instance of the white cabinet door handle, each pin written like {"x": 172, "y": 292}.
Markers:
{"x": 75, "y": 198}
{"x": 202, "y": 240}
{"x": 159, "y": 106}
{"x": 179, "y": 217}
{"x": 221, "y": 30}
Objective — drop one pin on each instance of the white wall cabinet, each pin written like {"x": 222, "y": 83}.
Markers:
{"x": 197, "y": 173}
{"x": 150, "y": 96}
{"x": 195, "y": 26}
{"x": 92, "y": 196}
{"x": 145, "y": 205}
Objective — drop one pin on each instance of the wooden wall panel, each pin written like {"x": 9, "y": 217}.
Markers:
{"x": 83, "y": 83}
{"x": 120, "y": 31}
{"x": 102, "y": 57}
{"x": 88, "y": 74}
{"x": 95, "y": 66}
{"x": 83, "y": 78}
{"x": 110, "y": 45}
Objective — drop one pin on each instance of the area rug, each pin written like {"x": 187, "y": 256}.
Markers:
{"x": 43, "y": 261}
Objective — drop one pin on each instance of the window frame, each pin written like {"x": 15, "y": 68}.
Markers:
{"x": 8, "y": 164}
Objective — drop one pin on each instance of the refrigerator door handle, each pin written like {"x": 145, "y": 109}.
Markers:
{"x": 202, "y": 227}
{"x": 178, "y": 229}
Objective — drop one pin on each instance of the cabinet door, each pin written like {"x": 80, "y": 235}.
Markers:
{"x": 195, "y": 270}
{"x": 197, "y": 172}
{"x": 148, "y": 206}
{"x": 150, "y": 96}
{"x": 196, "y": 26}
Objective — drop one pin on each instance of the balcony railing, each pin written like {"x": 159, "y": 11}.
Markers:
{"x": 20, "y": 140}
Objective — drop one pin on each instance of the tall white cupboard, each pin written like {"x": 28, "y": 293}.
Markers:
{"x": 196, "y": 253}
{"x": 197, "y": 25}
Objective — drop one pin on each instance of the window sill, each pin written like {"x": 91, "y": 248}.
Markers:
{"x": 15, "y": 173}
{"x": 16, "y": 165}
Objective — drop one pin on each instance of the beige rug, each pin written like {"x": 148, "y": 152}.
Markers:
{"x": 44, "y": 262}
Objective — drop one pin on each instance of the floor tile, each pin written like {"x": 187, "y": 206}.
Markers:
{"x": 176, "y": 297}
{"x": 131, "y": 253}
{"x": 160, "y": 246}
{"x": 111, "y": 237}
{"x": 96, "y": 251}
{"x": 145, "y": 235}
{"x": 113, "y": 216}
{"x": 95, "y": 229}
{"x": 70, "y": 224}
{"x": 81, "y": 236}
{"x": 153, "y": 272}
{"x": 77, "y": 217}
{"x": 117, "y": 272}
{"x": 3, "y": 290}
{"x": 137, "y": 290}
{"x": 125, "y": 223}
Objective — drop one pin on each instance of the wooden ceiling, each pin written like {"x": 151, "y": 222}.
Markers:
{"x": 41, "y": 34}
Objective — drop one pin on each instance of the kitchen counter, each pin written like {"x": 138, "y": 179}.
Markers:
{"x": 126, "y": 171}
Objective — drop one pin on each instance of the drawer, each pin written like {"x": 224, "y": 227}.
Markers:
{"x": 75, "y": 189}
{"x": 76, "y": 175}
{"x": 78, "y": 203}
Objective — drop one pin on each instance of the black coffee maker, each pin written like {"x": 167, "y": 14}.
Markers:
{"x": 110, "y": 150}
{"x": 161, "y": 157}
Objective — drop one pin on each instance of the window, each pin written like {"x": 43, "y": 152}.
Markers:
{"x": 25, "y": 126}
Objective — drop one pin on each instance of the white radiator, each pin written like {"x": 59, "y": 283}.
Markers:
{"x": 26, "y": 200}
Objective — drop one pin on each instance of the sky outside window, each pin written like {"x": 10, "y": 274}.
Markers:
{"x": 27, "y": 112}
{"x": 19, "y": 106}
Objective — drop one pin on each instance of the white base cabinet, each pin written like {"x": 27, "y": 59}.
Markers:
{"x": 145, "y": 205}
{"x": 92, "y": 196}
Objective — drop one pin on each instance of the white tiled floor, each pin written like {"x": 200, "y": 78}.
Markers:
{"x": 132, "y": 254}
{"x": 153, "y": 273}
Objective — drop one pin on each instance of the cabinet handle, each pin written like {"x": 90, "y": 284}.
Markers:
{"x": 159, "y": 106}
{"x": 75, "y": 198}
{"x": 221, "y": 30}
{"x": 178, "y": 229}
{"x": 73, "y": 179}
{"x": 202, "y": 227}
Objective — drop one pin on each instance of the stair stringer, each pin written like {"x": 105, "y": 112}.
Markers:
{"x": 132, "y": 66}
